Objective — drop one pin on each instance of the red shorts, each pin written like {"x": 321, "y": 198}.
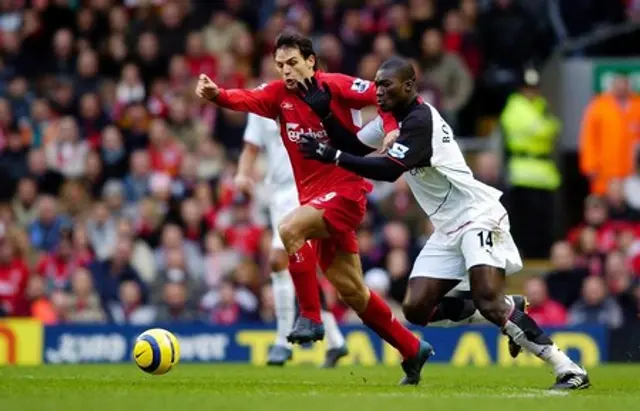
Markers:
{"x": 344, "y": 209}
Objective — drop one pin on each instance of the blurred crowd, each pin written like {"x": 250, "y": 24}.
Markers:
{"x": 595, "y": 270}
{"x": 117, "y": 201}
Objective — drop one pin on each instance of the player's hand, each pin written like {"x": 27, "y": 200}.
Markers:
{"x": 316, "y": 97}
{"x": 388, "y": 141}
{"x": 313, "y": 149}
{"x": 206, "y": 89}
{"x": 245, "y": 184}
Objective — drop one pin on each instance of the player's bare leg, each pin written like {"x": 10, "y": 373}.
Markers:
{"x": 424, "y": 295}
{"x": 302, "y": 224}
{"x": 284, "y": 298}
{"x": 345, "y": 273}
{"x": 487, "y": 289}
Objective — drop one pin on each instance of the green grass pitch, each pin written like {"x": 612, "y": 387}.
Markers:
{"x": 304, "y": 388}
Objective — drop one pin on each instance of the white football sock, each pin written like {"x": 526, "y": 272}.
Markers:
{"x": 285, "y": 305}
{"x": 335, "y": 339}
{"x": 540, "y": 346}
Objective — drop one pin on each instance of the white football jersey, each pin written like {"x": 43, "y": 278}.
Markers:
{"x": 438, "y": 175}
{"x": 265, "y": 133}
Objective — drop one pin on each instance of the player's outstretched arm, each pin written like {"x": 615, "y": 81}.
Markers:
{"x": 413, "y": 149}
{"x": 375, "y": 168}
{"x": 261, "y": 100}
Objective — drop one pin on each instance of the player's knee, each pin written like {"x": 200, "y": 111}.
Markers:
{"x": 415, "y": 313}
{"x": 491, "y": 305}
{"x": 289, "y": 234}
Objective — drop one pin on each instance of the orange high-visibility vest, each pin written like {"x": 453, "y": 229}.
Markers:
{"x": 608, "y": 138}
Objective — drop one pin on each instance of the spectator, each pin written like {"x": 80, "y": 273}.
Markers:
{"x": 113, "y": 154}
{"x": 142, "y": 258}
{"x": 564, "y": 281}
{"x": 220, "y": 260}
{"x": 130, "y": 89}
{"x": 165, "y": 152}
{"x": 608, "y": 135}
{"x": 243, "y": 234}
{"x": 447, "y": 73}
{"x": 596, "y": 217}
{"x": 14, "y": 276}
{"x": 620, "y": 283}
{"x": 173, "y": 239}
{"x": 24, "y": 204}
{"x": 66, "y": 153}
{"x": 101, "y": 229}
{"x": 109, "y": 274}
{"x": 226, "y": 310}
{"x": 530, "y": 133}
{"x": 619, "y": 209}
{"x": 44, "y": 232}
{"x": 57, "y": 266}
{"x": 188, "y": 130}
{"x": 136, "y": 182}
{"x": 590, "y": 258}
{"x": 596, "y": 306}
{"x": 83, "y": 304}
{"x": 545, "y": 311}
{"x": 87, "y": 79}
{"x": 92, "y": 120}
{"x": 487, "y": 168}
{"x": 63, "y": 60}
{"x": 175, "y": 306}
{"x": 460, "y": 37}
{"x": 41, "y": 307}
{"x": 220, "y": 32}
{"x": 129, "y": 308}
{"x": 14, "y": 155}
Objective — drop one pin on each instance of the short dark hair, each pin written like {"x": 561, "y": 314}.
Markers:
{"x": 402, "y": 67}
{"x": 293, "y": 39}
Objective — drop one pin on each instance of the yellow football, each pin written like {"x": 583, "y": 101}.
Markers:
{"x": 156, "y": 351}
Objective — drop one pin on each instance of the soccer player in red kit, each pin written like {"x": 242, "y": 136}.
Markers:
{"x": 333, "y": 200}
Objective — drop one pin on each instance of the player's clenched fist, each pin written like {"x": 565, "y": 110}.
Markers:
{"x": 206, "y": 88}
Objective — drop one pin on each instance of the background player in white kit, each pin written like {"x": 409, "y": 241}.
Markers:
{"x": 263, "y": 134}
{"x": 471, "y": 246}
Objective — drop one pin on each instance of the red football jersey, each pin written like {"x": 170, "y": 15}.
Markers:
{"x": 295, "y": 117}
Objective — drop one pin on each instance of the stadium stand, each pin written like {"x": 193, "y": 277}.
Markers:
{"x": 117, "y": 202}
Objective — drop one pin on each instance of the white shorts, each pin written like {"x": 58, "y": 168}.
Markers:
{"x": 450, "y": 255}
{"x": 281, "y": 203}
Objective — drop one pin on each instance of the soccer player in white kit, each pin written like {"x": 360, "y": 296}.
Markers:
{"x": 471, "y": 247}
{"x": 263, "y": 134}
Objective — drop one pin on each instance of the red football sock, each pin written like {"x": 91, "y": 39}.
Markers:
{"x": 379, "y": 318}
{"x": 302, "y": 266}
